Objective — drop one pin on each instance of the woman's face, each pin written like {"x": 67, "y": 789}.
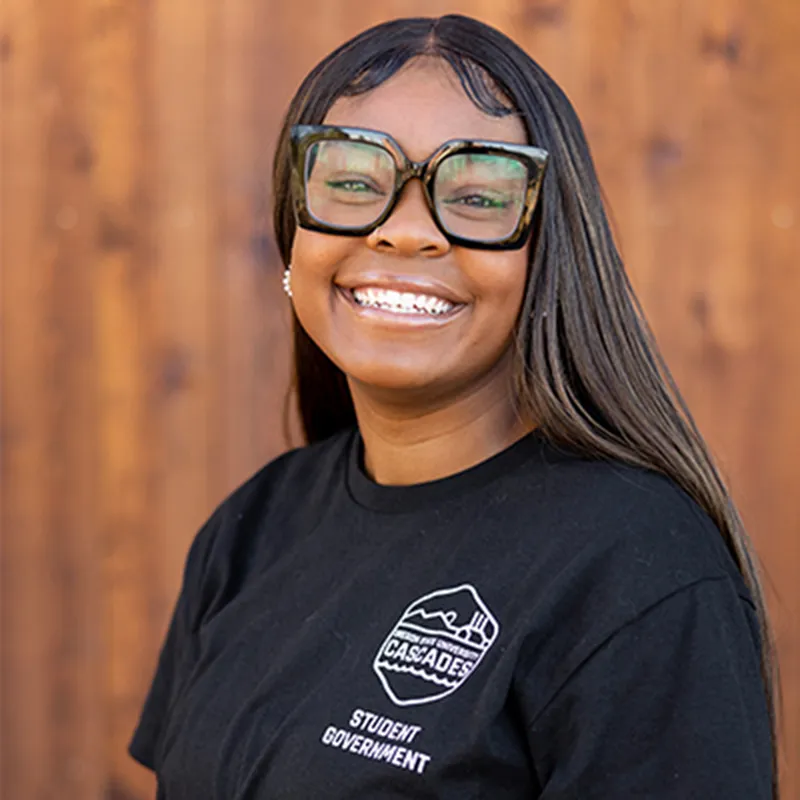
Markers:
{"x": 420, "y": 356}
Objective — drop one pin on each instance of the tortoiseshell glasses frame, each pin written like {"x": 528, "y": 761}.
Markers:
{"x": 303, "y": 137}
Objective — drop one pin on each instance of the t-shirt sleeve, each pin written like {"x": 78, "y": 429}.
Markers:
{"x": 176, "y": 656}
{"x": 670, "y": 707}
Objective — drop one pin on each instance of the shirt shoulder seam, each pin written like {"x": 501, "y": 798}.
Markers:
{"x": 618, "y": 629}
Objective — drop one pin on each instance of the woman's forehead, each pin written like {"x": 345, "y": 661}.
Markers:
{"x": 422, "y": 106}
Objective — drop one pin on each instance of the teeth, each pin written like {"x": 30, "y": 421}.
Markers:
{"x": 402, "y": 302}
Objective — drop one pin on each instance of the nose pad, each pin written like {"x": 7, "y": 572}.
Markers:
{"x": 410, "y": 228}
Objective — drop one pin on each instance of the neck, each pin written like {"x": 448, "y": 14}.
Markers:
{"x": 419, "y": 442}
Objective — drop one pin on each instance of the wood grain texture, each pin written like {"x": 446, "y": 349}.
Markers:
{"x": 144, "y": 349}
{"x": 52, "y": 593}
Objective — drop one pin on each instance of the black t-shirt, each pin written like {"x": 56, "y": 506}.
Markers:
{"x": 537, "y": 626}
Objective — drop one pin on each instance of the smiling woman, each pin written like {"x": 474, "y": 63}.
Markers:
{"x": 505, "y": 541}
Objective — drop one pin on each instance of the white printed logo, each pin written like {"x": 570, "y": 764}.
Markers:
{"x": 437, "y": 644}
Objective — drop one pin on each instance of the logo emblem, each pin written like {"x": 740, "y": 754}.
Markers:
{"x": 436, "y": 645}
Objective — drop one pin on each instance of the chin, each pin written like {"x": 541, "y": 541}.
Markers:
{"x": 394, "y": 378}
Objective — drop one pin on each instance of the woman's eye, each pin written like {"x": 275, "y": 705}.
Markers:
{"x": 352, "y": 185}
{"x": 478, "y": 201}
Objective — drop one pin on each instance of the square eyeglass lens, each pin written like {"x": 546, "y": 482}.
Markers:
{"x": 348, "y": 184}
{"x": 477, "y": 196}
{"x": 480, "y": 196}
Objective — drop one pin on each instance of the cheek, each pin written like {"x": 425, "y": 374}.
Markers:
{"x": 316, "y": 256}
{"x": 498, "y": 281}
{"x": 315, "y": 260}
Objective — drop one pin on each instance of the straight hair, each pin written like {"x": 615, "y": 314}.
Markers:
{"x": 587, "y": 368}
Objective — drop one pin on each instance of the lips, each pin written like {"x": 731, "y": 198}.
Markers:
{"x": 401, "y": 302}
{"x": 427, "y": 287}
{"x": 399, "y": 315}
{"x": 407, "y": 300}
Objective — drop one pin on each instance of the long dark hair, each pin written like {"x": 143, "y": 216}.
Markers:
{"x": 587, "y": 368}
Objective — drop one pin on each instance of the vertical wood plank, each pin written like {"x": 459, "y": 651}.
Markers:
{"x": 184, "y": 231}
{"x": 77, "y": 646}
{"x": 54, "y": 582}
{"x": 253, "y": 328}
{"x": 24, "y": 604}
{"x": 770, "y": 476}
{"x": 117, "y": 115}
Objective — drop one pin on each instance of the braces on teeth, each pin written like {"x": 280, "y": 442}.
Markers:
{"x": 401, "y": 301}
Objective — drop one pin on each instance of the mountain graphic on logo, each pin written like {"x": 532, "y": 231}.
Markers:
{"x": 435, "y": 646}
{"x": 480, "y": 630}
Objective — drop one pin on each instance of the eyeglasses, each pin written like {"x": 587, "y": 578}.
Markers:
{"x": 481, "y": 194}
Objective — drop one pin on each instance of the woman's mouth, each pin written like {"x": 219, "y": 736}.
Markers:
{"x": 402, "y": 305}
{"x": 401, "y": 302}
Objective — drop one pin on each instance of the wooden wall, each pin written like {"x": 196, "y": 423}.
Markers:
{"x": 145, "y": 336}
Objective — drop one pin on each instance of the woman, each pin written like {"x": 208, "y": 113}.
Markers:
{"x": 505, "y": 565}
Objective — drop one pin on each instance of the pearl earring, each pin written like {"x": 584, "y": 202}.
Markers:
{"x": 287, "y": 277}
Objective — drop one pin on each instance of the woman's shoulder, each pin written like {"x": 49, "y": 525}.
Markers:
{"x": 612, "y": 543}
{"x": 636, "y": 522}
{"x": 289, "y": 486}
{"x": 614, "y": 491}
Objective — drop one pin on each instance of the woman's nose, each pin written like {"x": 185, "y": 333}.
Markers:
{"x": 410, "y": 229}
